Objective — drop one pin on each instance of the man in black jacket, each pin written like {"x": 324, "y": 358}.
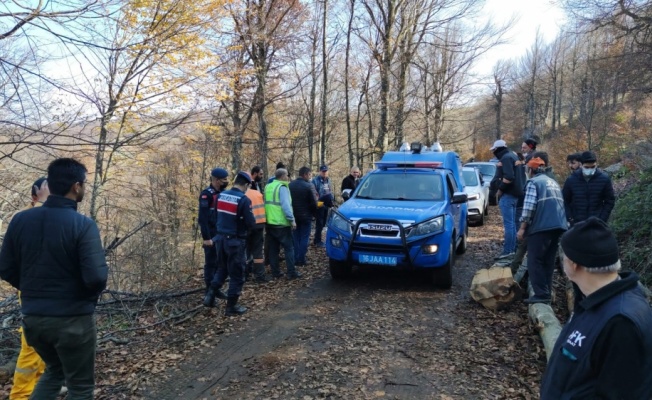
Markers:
{"x": 54, "y": 256}
{"x": 351, "y": 181}
{"x": 588, "y": 192}
{"x": 605, "y": 349}
{"x": 511, "y": 184}
{"x": 304, "y": 207}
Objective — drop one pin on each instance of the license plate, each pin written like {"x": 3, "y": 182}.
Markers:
{"x": 377, "y": 260}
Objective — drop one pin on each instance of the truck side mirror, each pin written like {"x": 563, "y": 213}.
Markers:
{"x": 346, "y": 194}
{"x": 459, "y": 198}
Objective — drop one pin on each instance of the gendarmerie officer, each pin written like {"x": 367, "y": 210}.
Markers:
{"x": 208, "y": 218}
{"x": 233, "y": 223}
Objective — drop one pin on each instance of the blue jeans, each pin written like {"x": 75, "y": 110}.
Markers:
{"x": 507, "y": 205}
{"x": 301, "y": 237}
{"x": 281, "y": 236}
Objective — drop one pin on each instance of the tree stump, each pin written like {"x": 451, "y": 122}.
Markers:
{"x": 495, "y": 288}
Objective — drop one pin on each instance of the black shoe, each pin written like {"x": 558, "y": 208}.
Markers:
{"x": 263, "y": 279}
{"x": 233, "y": 308}
{"x": 278, "y": 276}
{"x": 209, "y": 298}
{"x": 296, "y": 275}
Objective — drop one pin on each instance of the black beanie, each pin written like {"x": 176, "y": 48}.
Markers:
{"x": 590, "y": 244}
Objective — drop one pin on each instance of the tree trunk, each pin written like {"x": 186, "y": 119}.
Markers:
{"x": 324, "y": 59}
{"x": 346, "y": 89}
{"x": 313, "y": 100}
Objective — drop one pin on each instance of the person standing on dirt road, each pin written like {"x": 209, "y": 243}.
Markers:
{"x": 605, "y": 349}
{"x": 233, "y": 223}
{"x": 588, "y": 192}
{"x": 511, "y": 180}
{"x": 207, "y": 219}
{"x": 29, "y": 365}
{"x": 324, "y": 190}
{"x": 574, "y": 161}
{"x": 304, "y": 207}
{"x": 544, "y": 221}
{"x": 280, "y": 224}
{"x": 351, "y": 181}
{"x": 54, "y": 256}
{"x": 256, "y": 236}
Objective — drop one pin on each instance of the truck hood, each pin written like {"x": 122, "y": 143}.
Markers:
{"x": 406, "y": 211}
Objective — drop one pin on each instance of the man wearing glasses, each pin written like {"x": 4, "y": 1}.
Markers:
{"x": 54, "y": 256}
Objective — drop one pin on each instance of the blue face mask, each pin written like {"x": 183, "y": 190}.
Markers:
{"x": 588, "y": 171}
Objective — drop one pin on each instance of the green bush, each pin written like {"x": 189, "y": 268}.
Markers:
{"x": 632, "y": 224}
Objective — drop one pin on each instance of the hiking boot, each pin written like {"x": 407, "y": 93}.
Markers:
{"x": 233, "y": 308}
{"x": 296, "y": 275}
{"x": 263, "y": 279}
{"x": 209, "y": 298}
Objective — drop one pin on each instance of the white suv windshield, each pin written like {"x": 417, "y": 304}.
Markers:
{"x": 470, "y": 178}
{"x": 402, "y": 186}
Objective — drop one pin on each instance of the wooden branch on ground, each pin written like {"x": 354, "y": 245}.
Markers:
{"x": 146, "y": 296}
{"x": 138, "y": 328}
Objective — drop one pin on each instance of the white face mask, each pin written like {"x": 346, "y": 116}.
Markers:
{"x": 588, "y": 171}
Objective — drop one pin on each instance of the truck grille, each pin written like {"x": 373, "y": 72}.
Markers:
{"x": 377, "y": 248}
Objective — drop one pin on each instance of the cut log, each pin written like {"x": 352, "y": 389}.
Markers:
{"x": 546, "y": 323}
{"x": 495, "y": 287}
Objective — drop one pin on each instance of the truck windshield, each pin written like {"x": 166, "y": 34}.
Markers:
{"x": 402, "y": 186}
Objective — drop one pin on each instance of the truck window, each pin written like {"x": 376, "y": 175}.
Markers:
{"x": 402, "y": 186}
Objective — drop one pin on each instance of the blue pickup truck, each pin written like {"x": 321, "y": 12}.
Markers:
{"x": 410, "y": 212}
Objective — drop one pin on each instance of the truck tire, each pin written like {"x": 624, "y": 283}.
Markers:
{"x": 339, "y": 270}
{"x": 461, "y": 249}
{"x": 443, "y": 276}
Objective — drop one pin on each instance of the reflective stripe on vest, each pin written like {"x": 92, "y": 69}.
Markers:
{"x": 273, "y": 210}
{"x": 257, "y": 205}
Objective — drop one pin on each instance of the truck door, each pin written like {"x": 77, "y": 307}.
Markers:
{"x": 456, "y": 209}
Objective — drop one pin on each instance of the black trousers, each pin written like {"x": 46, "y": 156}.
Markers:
{"x": 231, "y": 256}
{"x": 210, "y": 263}
{"x": 67, "y": 346}
{"x": 541, "y": 253}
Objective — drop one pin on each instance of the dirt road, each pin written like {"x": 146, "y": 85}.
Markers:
{"x": 384, "y": 334}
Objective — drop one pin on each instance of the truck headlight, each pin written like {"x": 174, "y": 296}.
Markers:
{"x": 338, "y": 221}
{"x": 475, "y": 196}
{"x": 428, "y": 227}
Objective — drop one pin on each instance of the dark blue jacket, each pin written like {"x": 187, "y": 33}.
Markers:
{"x": 235, "y": 217}
{"x": 54, "y": 256}
{"x": 605, "y": 349}
{"x": 549, "y": 213}
{"x": 208, "y": 212}
{"x": 304, "y": 203}
{"x": 592, "y": 198}
{"x": 512, "y": 172}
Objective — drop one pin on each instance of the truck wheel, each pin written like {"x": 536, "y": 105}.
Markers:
{"x": 443, "y": 276}
{"x": 339, "y": 270}
{"x": 461, "y": 249}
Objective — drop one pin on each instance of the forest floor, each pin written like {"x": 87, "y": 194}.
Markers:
{"x": 383, "y": 334}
